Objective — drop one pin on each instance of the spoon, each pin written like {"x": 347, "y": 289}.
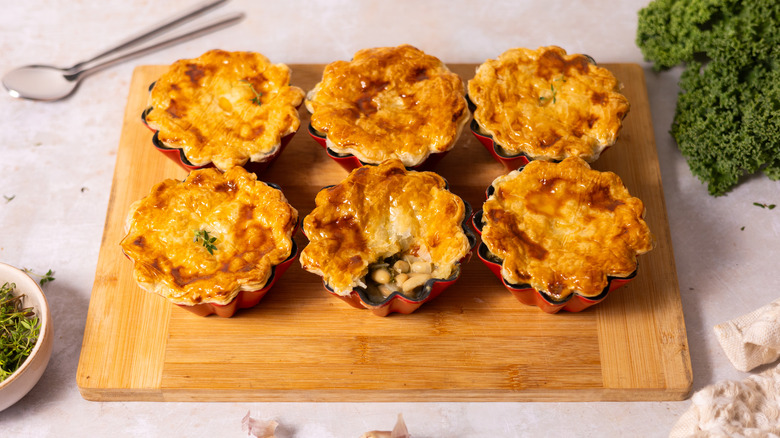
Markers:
{"x": 49, "y": 83}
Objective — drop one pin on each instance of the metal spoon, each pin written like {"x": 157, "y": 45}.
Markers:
{"x": 49, "y": 83}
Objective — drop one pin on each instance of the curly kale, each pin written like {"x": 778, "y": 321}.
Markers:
{"x": 727, "y": 122}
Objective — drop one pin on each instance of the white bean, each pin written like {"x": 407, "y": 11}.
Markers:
{"x": 381, "y": 276}
{"x": 400, "y": 278}
{"x": 385, "y": 290}
{"x": 421, "y": 267}
{"x": 401, "y": 266}
{"x": 414, "y": 282}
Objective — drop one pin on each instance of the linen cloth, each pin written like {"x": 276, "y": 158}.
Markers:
{"x": 747, "y": 408}
{"x": 753, "y": 339}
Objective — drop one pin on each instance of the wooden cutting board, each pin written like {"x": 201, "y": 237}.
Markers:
{"x": 473, "y": 343}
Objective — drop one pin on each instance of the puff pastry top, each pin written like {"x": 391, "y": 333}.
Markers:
{"x": 547, "y": 104}
{"x": 376, "y": 213}
{"x": 563, "y": 227}
{"x": 389, "y": 102}
{"x": 225, "y": 107}
{"x": 251, "y": 221}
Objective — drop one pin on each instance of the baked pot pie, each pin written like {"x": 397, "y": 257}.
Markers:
{"x": 386, "y": 238}
{"x": 545, "y": 105}
{"x": 213, "y": 243}
{"x": 562, "y": 235}
{"x": 388, "y": 102}
{"x": 224, "y": 109}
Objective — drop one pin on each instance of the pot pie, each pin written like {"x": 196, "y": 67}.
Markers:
{"x": 547, "y": 105}
{"x": 209, "y": 237}
{"x": 385, "y": 230}
{"x": 225, "y": 108}
{"x": 564, "y": 228}
{"x": 389, "y": 102}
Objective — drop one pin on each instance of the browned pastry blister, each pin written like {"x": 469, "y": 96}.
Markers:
{"x": 564, "y": 228}
{"x": 252, "y": 224}
{"x": 547, "y": 104}
{"x": 225, "y": 108}
{"x": 389, "y": 102}
{"x": 383, "y": 212}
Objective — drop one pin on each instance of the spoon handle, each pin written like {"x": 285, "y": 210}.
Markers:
{"x": 211, "y": 27}
{"x": 166, "y": 26}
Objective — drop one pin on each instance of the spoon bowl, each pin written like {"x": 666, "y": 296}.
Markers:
{"x": 40, "y": 82}
{"x": 48, "y": 83}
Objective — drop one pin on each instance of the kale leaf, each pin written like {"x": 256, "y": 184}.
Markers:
{"x": 726, "y": 122}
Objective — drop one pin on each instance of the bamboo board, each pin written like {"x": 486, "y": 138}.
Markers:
{"x": 473, "y": 343}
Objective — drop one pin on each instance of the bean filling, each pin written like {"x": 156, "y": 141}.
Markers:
{"x": 406, "y": 274}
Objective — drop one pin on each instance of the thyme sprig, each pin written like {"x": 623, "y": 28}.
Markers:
{"x": 206, "y": 240}
{"x": 256, "y": 99}
{"x": 19, "y": 330}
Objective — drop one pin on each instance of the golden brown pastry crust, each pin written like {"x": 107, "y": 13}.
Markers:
{"x": 389, "y": 102}
{"x": 563, "y": 227}
{"x": 253, "y": 224}
{"x": 205, "y": 107}
{"x": 547, "y": 104}
{"x": 376, "y": 213}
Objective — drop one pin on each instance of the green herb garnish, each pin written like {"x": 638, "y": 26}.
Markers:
{"x": 19, "y": 330}
{"x": 44, "y": 278}
{"x": 769, "y": 206}
{"x": 256, "y": 99}
{"x": 208, "y": 241}
{"x": 554, "y": 92}
{"x": 9, "y": 198}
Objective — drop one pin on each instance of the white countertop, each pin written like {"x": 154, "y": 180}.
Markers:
{"x": 57, "y": 162}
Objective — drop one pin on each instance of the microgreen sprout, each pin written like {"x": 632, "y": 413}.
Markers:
{"x": 19, "y": 330}
{"x": 768, "y": 206}
{"x": 44, "y": 278}
{"x": 9, "y": 198}
{"x": 553, "y": 91}
{"x": 206, "y": 240}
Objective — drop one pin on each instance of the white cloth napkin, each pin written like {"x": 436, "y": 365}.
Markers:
{"x": 747, "y": 408}
{"x": 753, "y": 339}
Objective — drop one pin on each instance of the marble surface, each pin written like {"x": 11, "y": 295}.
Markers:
{"x": 57, "y": 161}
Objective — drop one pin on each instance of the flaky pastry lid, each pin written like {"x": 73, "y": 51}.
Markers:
{"x": 379, "y": 211}
{"x": 389, "y": 102}
{"x": 225, "y": 107}
{"x": 564, "y": 227}
{"x": 547, "y": 104}
{"x": 251, "y": 221}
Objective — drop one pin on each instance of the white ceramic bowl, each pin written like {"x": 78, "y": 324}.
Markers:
{"x": 23, "y": 379}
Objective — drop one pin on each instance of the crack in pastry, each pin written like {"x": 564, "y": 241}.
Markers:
{"x": 242, "y": 228}
{"x": 364, "y": 229}
{"x": 389, "y": 102}
{"x": 547, "y": 105}
{"x": 564, "y": 228}
{"x": 225, "y": 108}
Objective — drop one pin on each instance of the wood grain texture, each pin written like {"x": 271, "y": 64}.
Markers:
{"x": 473, "y": 343}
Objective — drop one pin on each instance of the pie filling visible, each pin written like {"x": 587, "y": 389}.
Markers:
{"x": 385, "y": 229}
{"x": 402, "y": 273}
